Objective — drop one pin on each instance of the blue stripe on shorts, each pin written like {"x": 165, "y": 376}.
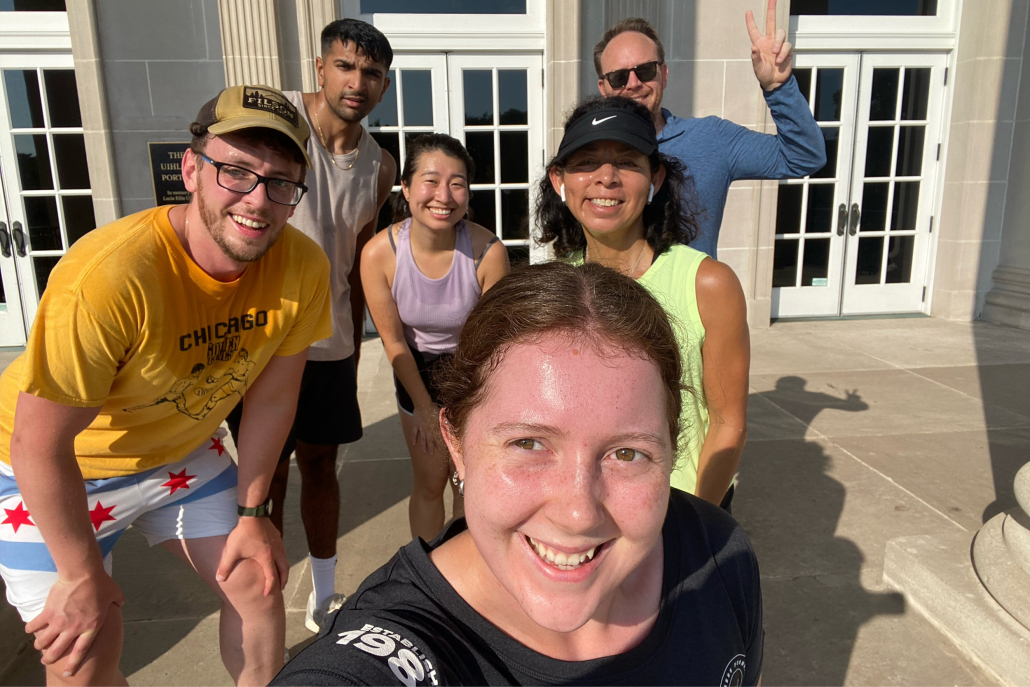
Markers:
{"x": 17, "y": 555}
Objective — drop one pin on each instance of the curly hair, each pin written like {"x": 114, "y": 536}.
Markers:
{"x": 670, "y": 218}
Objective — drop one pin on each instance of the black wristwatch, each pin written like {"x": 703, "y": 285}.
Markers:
{"x": 262, "y": 511}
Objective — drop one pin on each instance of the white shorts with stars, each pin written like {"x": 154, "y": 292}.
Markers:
{"x": 190, "y": 499}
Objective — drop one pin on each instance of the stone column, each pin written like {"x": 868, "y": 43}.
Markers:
{"x": 96, "y": 127}
{"x": 1001, "y": 554}
{"x": 250, "y": 42}
{"x": 562, "y": 66}
{"x": 312, "y": 17}
{"x": 1008, "y": 301}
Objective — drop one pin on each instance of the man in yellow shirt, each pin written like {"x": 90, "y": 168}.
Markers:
{"x": 149, "y": 332}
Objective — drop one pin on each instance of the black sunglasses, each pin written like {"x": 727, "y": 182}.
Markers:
{"x": 620, "y": 77}
{"x": 240, "y": 180}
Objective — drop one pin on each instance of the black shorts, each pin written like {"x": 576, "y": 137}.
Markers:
{"x": 327, "y": 410}
{"x": 428, "y": 364}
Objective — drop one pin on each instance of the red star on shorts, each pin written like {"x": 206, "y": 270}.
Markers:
{"x": 216, "y": 445}
{"x": 17, "y": 517}
{"x": 99, "y": 515}
{"x": 178, "y": 481}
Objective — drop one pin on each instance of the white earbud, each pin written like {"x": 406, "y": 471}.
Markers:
{"x": 650, "y": 194}
{"x": 561, "y": 192}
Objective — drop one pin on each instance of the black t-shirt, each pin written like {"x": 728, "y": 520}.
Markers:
{"x": 407, "y": 625}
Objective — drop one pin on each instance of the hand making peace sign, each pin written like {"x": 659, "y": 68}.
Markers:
{"x": 771, "y": 54}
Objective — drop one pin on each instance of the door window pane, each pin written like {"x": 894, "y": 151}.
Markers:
{"x": 785, "y": 263}
{"x": 911, "y": 8}
{"x": 899, "y": 259}
{"x": 870, "y": 258}
{"x": 32, "y": 6}
{"x": 391, "y": 142}
{"x": 804, "y": 78}
{"x": 33, "y": 162}
{"x": 79, "y": 219}
{"x": 480, "y": 145}
{"x": 479, "y": 96}
{"x": 514, "y": 157}
{"x": 820, "y": 210}
{"x": 43, "y": 267}
{"x": 44, "y": 226}
{"x": 906, "y": 205}
{"x": 62, "y": 98}
{"x": 910, "y": 151}
{"x": 816, "y": 268}
{"x": 917, "y": 94}
{"x": 879, "y": 150}
{"x": 788, "y": 209}
{"x": 23, "y": 101}
{"x": 874, "y": 207}
{"x": 441, "y": 7}
{"x": 884, "y": 101}
{"x": 511, "y": 90}
{"x": 482, "y": 208}
{"x": 515, "y": 213}
{"x": 418, "y": 97}
{"x": 829, "y": 90}
{"x": 70, "y": 156}
{"x": 385, "y": 113}
{"x": 831, "y": 135}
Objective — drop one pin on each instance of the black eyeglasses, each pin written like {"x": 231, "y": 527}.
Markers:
{"x": 620, "y": 77}
{"x": 240, "y": 180}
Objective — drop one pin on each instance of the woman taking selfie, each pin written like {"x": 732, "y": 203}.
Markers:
{"x": 575, "y": 562}
{"x": 421, "y": 278}
{"x": 610, "y": 197}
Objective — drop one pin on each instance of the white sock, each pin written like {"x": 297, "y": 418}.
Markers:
{"x": 323, "y": 576}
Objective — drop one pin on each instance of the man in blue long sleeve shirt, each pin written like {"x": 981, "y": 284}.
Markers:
{"x": 630, "y": 61}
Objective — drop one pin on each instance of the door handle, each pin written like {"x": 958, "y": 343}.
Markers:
{"x": 842, "y": 219}
{"x": 5, "y": 241}
{"x": 856, "y": 217}
{"x": 19, "y": 239}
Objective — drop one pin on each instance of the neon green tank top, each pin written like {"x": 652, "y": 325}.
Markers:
{"x": 672, "y": 280}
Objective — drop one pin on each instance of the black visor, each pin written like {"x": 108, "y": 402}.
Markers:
{"x": 610, "y": 124}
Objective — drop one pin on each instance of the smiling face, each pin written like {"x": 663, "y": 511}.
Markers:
{"x": 631, "y": 49}
{"x": 240, "y": 227}
{"x": 439, "y": 192}
{"x": 606, "y": 187}
{"x": 566, "y": 464}
{"x": 352, "y": 83}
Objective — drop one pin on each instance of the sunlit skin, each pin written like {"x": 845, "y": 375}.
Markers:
{"x": 631, "y": 49}
{"x": 570, "y": 448}
{"x": 218, "y": 236}
{"x": 600, "y": 173}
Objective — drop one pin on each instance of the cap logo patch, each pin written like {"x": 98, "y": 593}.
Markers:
{"x": 599, "y": 121}
{"x": 269, "y": 101}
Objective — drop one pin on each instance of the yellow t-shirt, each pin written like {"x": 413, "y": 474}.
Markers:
{"x": 130, "y": 323}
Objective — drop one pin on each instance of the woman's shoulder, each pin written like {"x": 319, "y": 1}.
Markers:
{"x": 380, "y": 247}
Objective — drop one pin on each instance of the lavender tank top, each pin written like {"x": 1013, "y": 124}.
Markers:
{"x": 434, "y": 310}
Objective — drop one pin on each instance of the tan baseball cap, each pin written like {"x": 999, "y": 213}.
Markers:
{"x": 248, "y": 107}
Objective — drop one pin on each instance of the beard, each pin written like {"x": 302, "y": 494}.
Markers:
{"x": 240, "y": 250}
{"x": 346, "y": 114}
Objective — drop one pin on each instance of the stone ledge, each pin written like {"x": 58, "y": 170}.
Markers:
{"x": 936, "y": 575}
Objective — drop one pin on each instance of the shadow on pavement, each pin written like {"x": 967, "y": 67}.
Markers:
{"x": 790, "y": 506}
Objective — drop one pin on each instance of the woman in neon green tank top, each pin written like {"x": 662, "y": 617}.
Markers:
{"x": 610, "y": 197}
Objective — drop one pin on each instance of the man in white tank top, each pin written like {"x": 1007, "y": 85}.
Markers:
{"x": 349, "y": 181}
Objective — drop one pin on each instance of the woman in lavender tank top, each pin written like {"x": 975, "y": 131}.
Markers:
{"x": 421, "y": 278}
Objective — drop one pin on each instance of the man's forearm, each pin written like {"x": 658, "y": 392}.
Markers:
{"x": 54, "y": 493}
{"x": 718, "y": 462}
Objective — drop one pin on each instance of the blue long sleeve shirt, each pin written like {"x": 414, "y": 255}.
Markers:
{"x": 718, "y": 152}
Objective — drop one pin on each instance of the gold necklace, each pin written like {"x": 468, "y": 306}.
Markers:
{"x": 332, "y": 158}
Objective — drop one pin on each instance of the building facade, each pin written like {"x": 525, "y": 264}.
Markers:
{"x": 923, "y": 207}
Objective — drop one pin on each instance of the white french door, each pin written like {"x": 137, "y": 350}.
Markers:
{"x": 493, "y": 104}
{"x": 47, "y": 201}
{"x": 854, "y": 238}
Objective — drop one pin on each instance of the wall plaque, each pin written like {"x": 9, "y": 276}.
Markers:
{"x": 166, "y": 171}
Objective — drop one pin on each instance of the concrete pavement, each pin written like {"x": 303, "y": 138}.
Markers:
{"x": 859, "y": 432}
